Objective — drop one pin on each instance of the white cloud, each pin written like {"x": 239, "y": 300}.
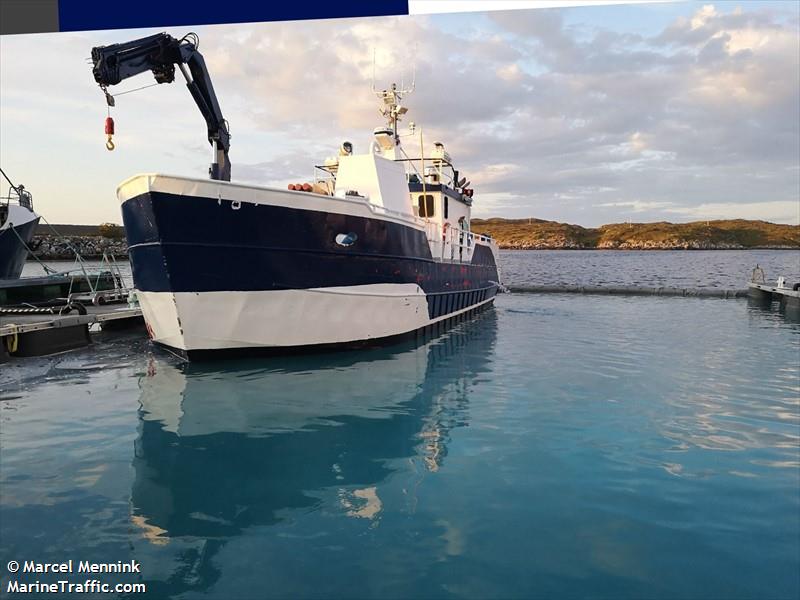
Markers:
{"x": 510, "y": 72}
{"x": 636, "y": 206}
{"x": 779, "y": 211}
{"x": 702, "y": 16}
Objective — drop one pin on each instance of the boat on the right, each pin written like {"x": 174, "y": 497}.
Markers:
{"x": 762, "y": 293}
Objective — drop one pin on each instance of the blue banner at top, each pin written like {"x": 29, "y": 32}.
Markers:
{"x": 40, "y": 16}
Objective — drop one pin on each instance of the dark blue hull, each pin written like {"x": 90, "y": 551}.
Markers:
{"x": 194, "y": 244}
{"x": 13, "y": 251}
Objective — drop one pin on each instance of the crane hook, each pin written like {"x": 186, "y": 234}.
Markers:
{"x": 110, "y": 133}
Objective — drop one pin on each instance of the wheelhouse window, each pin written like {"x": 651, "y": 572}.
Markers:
{"x": 425, "y": 205}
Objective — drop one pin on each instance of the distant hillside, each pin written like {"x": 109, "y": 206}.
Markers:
{"x": 700, "y": 235}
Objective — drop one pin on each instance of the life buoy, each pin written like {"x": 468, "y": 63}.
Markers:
{"x": 12, "y": 343}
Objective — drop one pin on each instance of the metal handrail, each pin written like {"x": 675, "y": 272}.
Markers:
{"x": 22, "y": 198}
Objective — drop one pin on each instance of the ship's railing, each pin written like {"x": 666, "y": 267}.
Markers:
{"x": 453, "y": 244}
{"x": 459, "y": 243}
{"x": 377, "y": 209}
{"x": 98, "y": 293}
{"x": 26, "y": 200}
{"x": 429, "y": 165}
{"x": 20, "y": 195}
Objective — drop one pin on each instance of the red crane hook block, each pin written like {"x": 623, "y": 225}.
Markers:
{"x": 109, "y": 133}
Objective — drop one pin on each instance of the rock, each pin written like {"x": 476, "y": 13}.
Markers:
{"x": 51, "y": 247}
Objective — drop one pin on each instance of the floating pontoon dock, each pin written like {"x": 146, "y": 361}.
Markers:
{"x": 788, "y": 297}
{"x": 36, "y": 333}
{"x": 762, "y": 292}
{"x": 627, "y": 291}
{"x": 38, "y": 289}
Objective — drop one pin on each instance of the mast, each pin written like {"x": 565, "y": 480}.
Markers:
{"x": 392, "y": 109}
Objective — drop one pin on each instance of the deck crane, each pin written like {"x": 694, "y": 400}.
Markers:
{"x": 160, "y": 53}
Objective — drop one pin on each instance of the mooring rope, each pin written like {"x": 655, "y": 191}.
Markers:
{"x": 9, "y": 181}
{"x": 47, "y": 269}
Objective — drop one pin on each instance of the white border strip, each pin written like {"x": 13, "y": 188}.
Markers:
{"x": 434, "y": 7}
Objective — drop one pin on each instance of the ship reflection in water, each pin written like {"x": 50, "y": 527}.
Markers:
{"x": 227, "y": 447}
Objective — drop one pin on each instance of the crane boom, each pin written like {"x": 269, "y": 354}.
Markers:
{"x": 160, "y": 53}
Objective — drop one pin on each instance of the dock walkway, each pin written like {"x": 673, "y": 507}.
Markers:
{"x": 786, "y": 296}
{"x": 37, "y": 334}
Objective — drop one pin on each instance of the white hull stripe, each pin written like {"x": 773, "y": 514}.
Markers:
{"x": 190, "y": 321}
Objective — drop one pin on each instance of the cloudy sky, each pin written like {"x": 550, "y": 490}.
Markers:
{"x": 675, "y": 111}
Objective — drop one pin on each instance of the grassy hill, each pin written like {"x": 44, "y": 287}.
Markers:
{"x": 699, "y": 235}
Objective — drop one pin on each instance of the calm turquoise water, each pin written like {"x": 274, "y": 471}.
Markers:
{"x": 557, "y": 446}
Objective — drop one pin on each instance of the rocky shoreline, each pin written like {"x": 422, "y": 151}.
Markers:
{"x": 637, "y": 245}
{"x": 52, "y": 247}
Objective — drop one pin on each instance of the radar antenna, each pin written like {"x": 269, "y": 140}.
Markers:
{"x": 392, "y": 110}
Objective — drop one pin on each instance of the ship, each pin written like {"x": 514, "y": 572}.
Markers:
{"x": 377, "y": 247}
{"x": 18, "y": 223}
